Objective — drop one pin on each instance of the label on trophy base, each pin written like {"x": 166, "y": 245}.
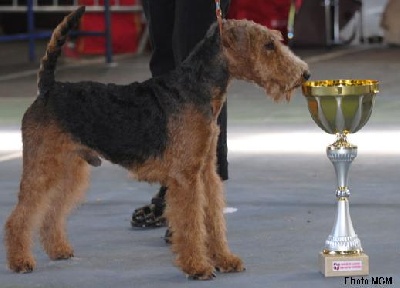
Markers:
{"x": 343, "y": 265}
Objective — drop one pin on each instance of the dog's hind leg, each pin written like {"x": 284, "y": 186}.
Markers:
{"x": 43, "y": 164}
{"x": 217, "y": 243}
{"x": 35, "y": 188}
{"x": 66, "y": 196}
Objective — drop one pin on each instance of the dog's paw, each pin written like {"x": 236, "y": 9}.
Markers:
{"x": 61, "y": 253}
{"x": 202, "y": 276}
{"x": 230, "y": 263}
{"x": 197, "y": 271}
{"x": 63, "y": 256}
{"x": 23, "y": 265}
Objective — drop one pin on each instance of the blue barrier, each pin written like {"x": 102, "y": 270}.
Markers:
{"x": 33, "y": 35}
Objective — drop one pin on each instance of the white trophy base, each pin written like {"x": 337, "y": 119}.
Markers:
{"x": 343, "y": 265}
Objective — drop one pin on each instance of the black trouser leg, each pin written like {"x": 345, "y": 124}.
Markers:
{"x": 175, "y": 27}
{"x": 192, "y": 21}
{"x": 160, "y": 16}
{"x": 222, "y": 146}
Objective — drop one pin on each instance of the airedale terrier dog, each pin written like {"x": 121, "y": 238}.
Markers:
{"x": 162, "y": 130}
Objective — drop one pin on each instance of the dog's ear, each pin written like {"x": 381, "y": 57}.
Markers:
{"x": 236, "y": 38}
{"x": 277, "y": 34}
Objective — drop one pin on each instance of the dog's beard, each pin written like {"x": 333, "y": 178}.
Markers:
{"x": 290, "y": 91}
{"x": 278, "y": 92}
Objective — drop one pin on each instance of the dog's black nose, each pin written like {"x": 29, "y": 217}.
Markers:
{"x": 306, "y": 75}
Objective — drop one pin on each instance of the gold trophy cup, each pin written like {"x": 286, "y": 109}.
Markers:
{"x": 341, "y": 107}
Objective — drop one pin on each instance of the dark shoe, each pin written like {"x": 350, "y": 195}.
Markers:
{"x": 151, "y": 215}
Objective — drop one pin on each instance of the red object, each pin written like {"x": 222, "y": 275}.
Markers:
{"x": 273, "y": 13}
{"x": 126, "y": 29}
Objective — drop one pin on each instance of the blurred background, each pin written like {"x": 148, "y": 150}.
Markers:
{"x": 118, "y": 26}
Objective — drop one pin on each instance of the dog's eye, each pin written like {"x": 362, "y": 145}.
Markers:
{"x": 270, "y": 45}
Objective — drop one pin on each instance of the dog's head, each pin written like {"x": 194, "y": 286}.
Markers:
{"x": 256, "y": 54}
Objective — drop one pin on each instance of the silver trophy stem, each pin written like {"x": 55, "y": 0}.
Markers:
{"x": 343, "y": 239}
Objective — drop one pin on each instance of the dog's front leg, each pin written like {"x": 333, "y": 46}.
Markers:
{"x": 217, "y": 244}
{"x": 185, "y": 214}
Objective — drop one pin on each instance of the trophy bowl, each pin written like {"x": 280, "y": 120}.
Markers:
{"x": 340, "y": 106}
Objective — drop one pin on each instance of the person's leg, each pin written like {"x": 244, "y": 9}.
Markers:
{"x": 222, "y": 146}
{"x": 192, "y": 20}
{"x": 160, "y": 18}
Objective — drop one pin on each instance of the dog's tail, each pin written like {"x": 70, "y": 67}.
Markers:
{"x": 49, "y": 61}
